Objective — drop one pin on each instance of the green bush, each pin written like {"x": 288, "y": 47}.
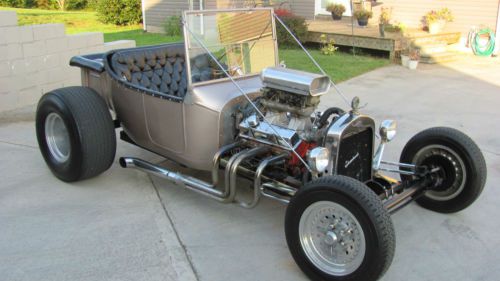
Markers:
{"x": 297, "y": 25}
{"x": 172, "y": 26}
{"x": 18, "y": 3}
{"x": 76, "y": 4}
{"x": 119, "y": 12}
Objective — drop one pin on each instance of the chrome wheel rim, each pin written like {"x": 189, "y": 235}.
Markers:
{"x": 57, "y": 137}
{"x": 332, "y": 238}
{"x": 456, "y": 166}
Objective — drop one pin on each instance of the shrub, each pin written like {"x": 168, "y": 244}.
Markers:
{"x": 296, "y": 24}
{"x": 443, "y": 14}
{"x": 119, "y": 12}
{"x": 18, "y": 3}
{"x": 327, "y": 46}
{"x": 46, "y": 4}
{"x": 76, "y": 4}
{"x": 385, "y": 16}
{"x": 363, "y": 14}
{"x": 172, "y": 26}
{"x": 337, "y": 9}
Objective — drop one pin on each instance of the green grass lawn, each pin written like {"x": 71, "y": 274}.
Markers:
{"x": 340, "y": 66}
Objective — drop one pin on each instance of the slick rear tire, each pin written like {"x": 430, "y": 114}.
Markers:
{"x": 75, "y": 133}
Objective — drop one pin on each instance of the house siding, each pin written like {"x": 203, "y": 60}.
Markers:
{"x": 467, "y": 13}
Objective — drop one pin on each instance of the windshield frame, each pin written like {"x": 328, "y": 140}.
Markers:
{"x": 187, "y": 35}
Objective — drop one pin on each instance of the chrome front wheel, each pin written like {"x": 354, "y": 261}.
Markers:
{"x": 337, "y": 229}
{"x": 332, "y": 238}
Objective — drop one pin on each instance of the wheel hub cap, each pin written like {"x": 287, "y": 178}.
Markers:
{"x": 332, "y": 238}
{"x": 449, "y": 180}
{"x": 57, "y": 137}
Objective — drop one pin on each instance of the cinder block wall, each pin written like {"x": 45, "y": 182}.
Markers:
{"x": 34, "y": 59}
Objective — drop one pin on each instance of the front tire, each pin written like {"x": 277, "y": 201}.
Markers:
{"x": 337, "y": 229}
{"x": 462, "y": 168}
{"x": 75, "y": 133}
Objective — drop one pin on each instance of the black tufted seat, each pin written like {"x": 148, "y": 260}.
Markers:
{"x": 159, "y": 68}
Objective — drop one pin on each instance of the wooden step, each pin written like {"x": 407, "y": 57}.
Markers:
{"x": 440, "y": 57}
{"x": 434, "y": 39}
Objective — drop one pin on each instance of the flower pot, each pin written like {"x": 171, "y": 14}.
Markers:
{"x": 405, "y": 60}
{"x": 336, "y": 17}
{"x": 436, "y": 27}
{"x": 362, "y": 22}
{"x": 412, "y": 64}
{"x": 381, "y": 29}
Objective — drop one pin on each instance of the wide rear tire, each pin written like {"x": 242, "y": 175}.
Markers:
{"x": 75, "y": 133}
{"x": 337, "y": 229}
{"x": 462, "y": 173}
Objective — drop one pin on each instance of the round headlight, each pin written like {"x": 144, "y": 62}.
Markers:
{"x": 318, "y": 159}
{"x": 388, "y": 130}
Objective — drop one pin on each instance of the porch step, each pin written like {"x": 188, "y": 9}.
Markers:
{"x": 431, "y": 49}
{"x": 440, "y": 57}
{"x": 435, "y": 39}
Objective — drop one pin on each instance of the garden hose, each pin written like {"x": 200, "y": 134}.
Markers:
{"x": 479, "y": 45}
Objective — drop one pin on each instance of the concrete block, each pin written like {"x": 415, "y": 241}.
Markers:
{"x": 120, "y": 44}
{"x": 34, "y": 49}
{"x": 54, "y": 75}
{"x": 9, "y": 35}
{"x": 65, "y": 57}
{"x": 18, "y": 67}
{"x": 92, "y": 50}
{"x": 45, "y": 88}
{"x": 50, "y": 61}
{"x": 56, "y": 45}
{"x": 5, "y": 69}
{"x": 34, "y": 64}
{"x": 8, "y": 18}
{"x": 94, "y": 38}
{"x": 48, "y": 31}
{"x": 8, "y": 84}
{"x": 26, "y": 32}
{"x": 11, "y": 52}
{"x": 16, "y": 34}
{"x": 83, "y": 40}
{"x": 74, "y": 77}
{"x": 8, "y": 100}
{"x": 77, "y": 41}
{"x": 29, "y": 96}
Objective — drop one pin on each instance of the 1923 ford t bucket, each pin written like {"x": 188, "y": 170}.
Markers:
{"x": 221, "y": 101}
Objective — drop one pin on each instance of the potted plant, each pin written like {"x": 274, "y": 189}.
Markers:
{"x": 363, "y": 16}
{"x": 436, "y": 20}
{"x": 384, "y": 19}
{"x": 337, "y": 10}
{"x": 414, "y": 59}
{"x": 395, "y": 30}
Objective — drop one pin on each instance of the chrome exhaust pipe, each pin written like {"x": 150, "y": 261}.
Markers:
{"x": 177, "y": 178}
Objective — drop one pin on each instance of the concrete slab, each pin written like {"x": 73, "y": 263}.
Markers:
{"x": 112, "y": 227}
{"x": 124, "y": 225}
{"x": 226, "y": 242}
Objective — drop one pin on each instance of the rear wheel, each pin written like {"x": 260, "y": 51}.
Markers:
{"x": 338, "y": 229}
{"x": 75, "y": 133}
{"x": 460, "y": 165}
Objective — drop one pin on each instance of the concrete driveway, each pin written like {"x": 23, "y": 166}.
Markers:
{"x": 124, "y": 225}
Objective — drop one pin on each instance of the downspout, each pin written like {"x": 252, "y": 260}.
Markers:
{"x": 497, "y": 32}
{"x": 143, "y": 15}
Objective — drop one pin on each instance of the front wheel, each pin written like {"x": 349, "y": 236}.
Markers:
{"x": 460, "y": 168}
{"x": 337, "y": 229}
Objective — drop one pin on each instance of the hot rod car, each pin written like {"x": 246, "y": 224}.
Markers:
{"x": 221, "y": 102}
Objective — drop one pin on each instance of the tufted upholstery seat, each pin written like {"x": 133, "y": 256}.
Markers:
{"x": 159, "y": 68}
